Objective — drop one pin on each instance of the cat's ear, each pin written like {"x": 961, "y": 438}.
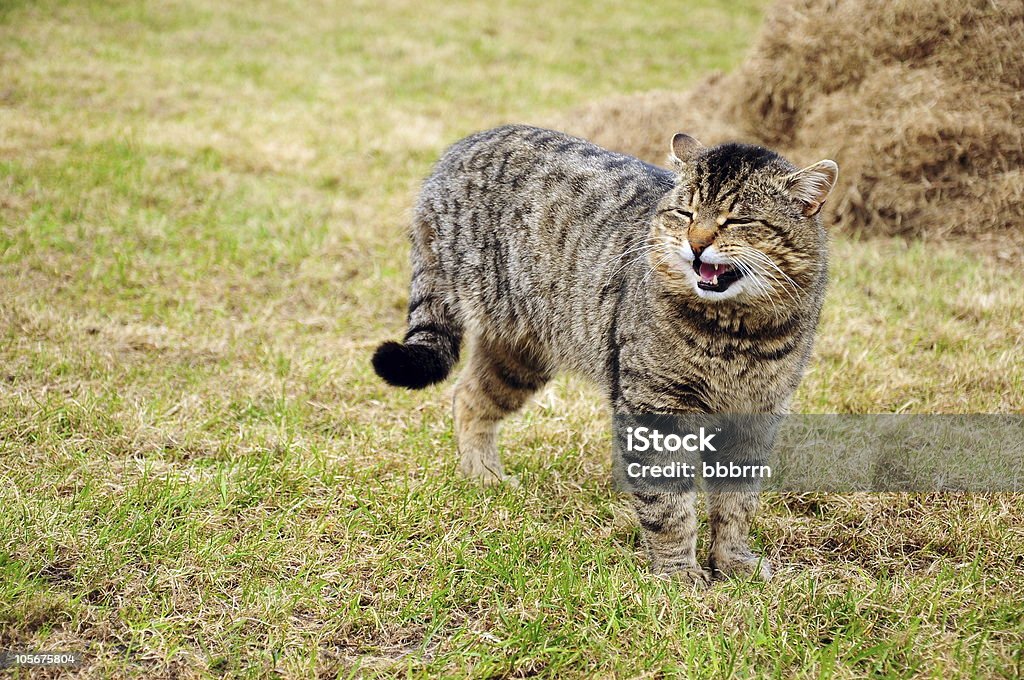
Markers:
{"x": 682, "y": 149}
{"x": 811, "y": 186}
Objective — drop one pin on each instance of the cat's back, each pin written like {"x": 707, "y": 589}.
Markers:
{"x": 536, "y": 165}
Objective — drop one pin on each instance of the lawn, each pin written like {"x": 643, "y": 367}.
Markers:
{"x": 202, "y": 217}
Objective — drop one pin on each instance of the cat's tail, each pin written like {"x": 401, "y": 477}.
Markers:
{"x": 429, "y": 350}
{"x": 431, "y": 345}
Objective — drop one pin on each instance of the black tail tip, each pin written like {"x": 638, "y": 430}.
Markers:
{"x": 412, "y": 366}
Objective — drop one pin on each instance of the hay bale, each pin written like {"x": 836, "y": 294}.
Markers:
{"x": 921, "y": 102}
{"x": 643, "y": 124}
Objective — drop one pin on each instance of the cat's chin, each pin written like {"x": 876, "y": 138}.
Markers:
{"x": 730, "y": 293}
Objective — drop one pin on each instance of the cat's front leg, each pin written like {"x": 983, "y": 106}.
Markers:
{"x": 665, "y": 507}
{"x": 669, "y": 525}
{"x": 744, "y": 444}
{"x": 730, "y": 514}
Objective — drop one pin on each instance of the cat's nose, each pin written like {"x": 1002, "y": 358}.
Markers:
{"x": 700, "y": 239}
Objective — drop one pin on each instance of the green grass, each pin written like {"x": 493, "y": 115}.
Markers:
{"x": 202, "y": 210}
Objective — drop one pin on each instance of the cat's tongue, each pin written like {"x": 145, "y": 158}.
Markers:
{"x": 708, "y": 272}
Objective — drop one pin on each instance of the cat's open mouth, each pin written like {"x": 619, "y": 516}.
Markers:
{"x": 715, "y": 277}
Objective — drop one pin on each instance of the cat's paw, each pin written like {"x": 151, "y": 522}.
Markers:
{"x": 510, "y": 481}
{"x": 494, "y": 480}
{"x": 694, "y": 577}
{"x": 486, "y": 477}
{"x": 744, "y": 567}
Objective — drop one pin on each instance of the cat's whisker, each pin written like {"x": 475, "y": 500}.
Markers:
{"x": 756, "y": 279}
{"x": 762, "y": 279}
{"x": 633, "y": 247}
{"x": 757, "y": 260}
{"x": 662, "y": 260}
{"x": 769, "y": 261}
{"x": 768, "y": 278}
{"x": 642, "y": 251}
{"x": 786, "y": 279}
{"x": 771, "y": 292}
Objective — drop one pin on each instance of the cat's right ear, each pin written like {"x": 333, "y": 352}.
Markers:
{"x": 682, "y": 150}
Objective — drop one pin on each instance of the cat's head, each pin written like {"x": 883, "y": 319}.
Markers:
{"x": 741, "y": 224}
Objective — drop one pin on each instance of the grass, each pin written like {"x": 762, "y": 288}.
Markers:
{"x": 202, "y": 210}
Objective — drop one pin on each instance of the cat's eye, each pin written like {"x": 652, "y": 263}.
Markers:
{"x": 738, "y": 222}
{"x": 685, "y": 214}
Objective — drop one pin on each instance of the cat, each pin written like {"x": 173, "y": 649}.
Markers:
{"x": 694, "y": 290}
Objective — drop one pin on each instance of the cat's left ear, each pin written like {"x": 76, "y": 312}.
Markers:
{"x": 682, "y": 149}
{"x": 811, "y": 186}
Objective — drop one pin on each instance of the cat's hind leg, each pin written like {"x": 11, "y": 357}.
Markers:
{"x": 496, "y": 381}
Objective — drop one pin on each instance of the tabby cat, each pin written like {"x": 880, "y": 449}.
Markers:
{"x": 690, "y": 291}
